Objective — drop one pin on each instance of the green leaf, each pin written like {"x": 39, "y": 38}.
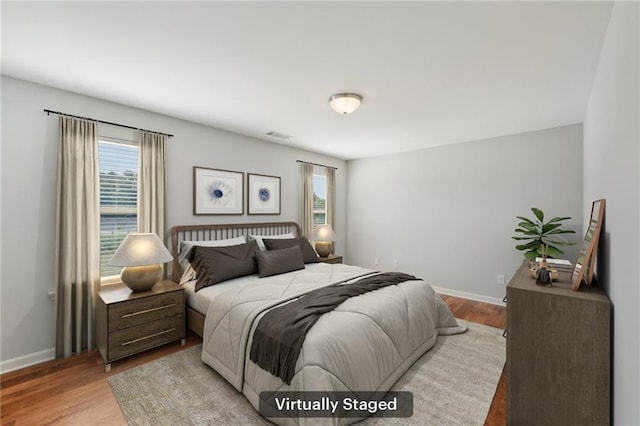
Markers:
{"x": 538, "y": 214}
{"x": 526, "y": 220}
{"x": 529, "y": 226}
{"x": 554, "y": 251}
{"x": 527, "y": 232}
{"x": 561, "y": 243}
{"x": 562, "y": 231}
{"x": 531, "y": 254}
{"x": 550, "y": 227}
{"x": 559, "y": 219}
{"x": 525, "y": 238}
{"x": 528, "y": 246}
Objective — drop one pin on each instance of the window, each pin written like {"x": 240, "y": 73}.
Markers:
{"x": 319, "y": 200}
{"x": 118, "y": 199}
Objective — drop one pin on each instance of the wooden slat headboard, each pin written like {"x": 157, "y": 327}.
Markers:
{"x": 222, "y": 232}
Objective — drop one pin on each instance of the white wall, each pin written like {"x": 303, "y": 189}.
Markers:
{"x": 447, "y": 214}
{"x": 611, "y": 171}
{"x": 29, "y": 140}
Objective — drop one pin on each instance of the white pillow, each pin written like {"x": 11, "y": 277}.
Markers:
{"x": 259, "y": 238}
{"x": 189, "y": 274}
{"x": 186, "y": 246}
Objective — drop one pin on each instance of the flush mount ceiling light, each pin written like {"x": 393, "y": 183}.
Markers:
{"x": 345, "y": 103}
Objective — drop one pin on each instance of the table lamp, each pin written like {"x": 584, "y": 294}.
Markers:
{"x": 141, "y": 254}
{"x": 324, "y": 236}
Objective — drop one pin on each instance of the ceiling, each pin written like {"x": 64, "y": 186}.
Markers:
{"x": 430, "y": 73}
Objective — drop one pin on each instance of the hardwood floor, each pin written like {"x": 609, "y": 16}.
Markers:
{"x": 75, "y": 391}
{"x": 71, "y": 391}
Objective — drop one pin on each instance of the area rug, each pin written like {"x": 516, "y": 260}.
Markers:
{"x": 452, "y": 384}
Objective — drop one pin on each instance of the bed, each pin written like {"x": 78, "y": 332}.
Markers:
{"x": 365, "y": 344}
{"x": 179, "y": 234}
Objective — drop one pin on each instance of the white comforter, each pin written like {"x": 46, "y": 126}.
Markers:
{"x": 367, "y": 343}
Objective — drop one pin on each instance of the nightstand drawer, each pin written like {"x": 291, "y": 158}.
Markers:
{"x": 133, "y": 340}
{"x": 133, "y": 312}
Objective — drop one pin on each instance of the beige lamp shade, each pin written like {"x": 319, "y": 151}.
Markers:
{"x": 141, "y": 254}
{"x": 323, "y": 235}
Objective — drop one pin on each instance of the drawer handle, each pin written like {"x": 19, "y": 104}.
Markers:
{"x": 146, "y": 311}
{"x": 148, "y": 337}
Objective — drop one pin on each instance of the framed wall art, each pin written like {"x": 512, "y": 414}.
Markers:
{"x": 217, "y": 191}
{"x": 263, "y": 194}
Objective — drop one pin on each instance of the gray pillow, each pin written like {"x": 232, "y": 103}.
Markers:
{"x": 309, "y": 255}
{"x": 274, "y": 262}
{"x": 216, "y": 264}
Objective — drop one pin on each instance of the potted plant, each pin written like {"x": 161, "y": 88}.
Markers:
{"x": 542, "y": 238}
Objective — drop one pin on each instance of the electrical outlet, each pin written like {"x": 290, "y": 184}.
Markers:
{"x": 52, "y": 296}
{"x": 396, "y": 265}
{"x": 500, "y": 279}
{"x": 376, "y": 261}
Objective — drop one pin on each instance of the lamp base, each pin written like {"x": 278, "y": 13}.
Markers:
{"x": 141, "y": 278}
{"x": 323, "y": 248}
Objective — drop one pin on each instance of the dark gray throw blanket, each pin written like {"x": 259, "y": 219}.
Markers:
{"x": 281, "y": 331}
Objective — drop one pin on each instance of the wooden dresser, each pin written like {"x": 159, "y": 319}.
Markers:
{"x": 128, "y": 323}
{"x": 558, "y": 353}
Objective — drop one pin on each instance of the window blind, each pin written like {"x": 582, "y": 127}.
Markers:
{"x": 118, "y": 198}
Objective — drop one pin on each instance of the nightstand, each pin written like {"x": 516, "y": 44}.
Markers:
{"x": 332, "y": 258}
{"x": 128, "y": 323}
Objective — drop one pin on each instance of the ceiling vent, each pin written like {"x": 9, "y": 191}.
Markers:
{"x": 278, "y": 135}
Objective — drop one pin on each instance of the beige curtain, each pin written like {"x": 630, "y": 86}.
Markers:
{"x": 77, "y": 251}
{"x": 151, "y": 183}
{"x": 331, "y": 197}
{"x": 306, "y": 209}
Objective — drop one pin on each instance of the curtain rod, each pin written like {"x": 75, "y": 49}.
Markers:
{"x": 48, "y": 111}
{"x": 316, "y": 164}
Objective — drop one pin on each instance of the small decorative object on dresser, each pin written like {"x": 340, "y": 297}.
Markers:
{"x": 324, "y": 236}
{"x": 543, "y": 276}
{"x": 331, "y": 259}
{"x": 141, "y": 255}
{"x": 553, "y": 273}
{"x": 128, "y": 323}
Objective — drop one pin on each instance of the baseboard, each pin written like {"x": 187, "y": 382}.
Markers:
{"x": 471, "y": 296}
{"x": 27, "y": 360}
